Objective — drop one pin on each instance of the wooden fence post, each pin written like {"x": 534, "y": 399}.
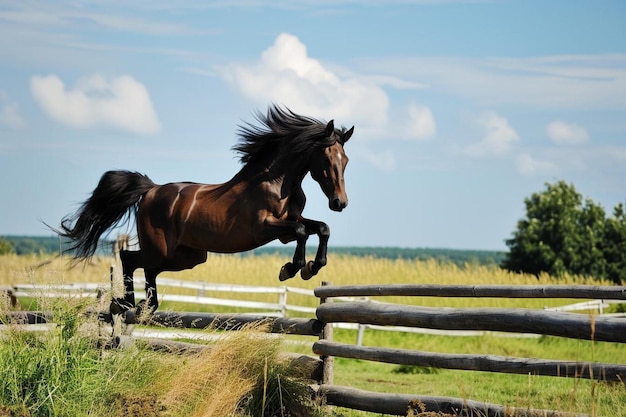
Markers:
{"x": 360, "y": 334}
{"x": 282, "y": 301}
{"x": 327, "y": 334}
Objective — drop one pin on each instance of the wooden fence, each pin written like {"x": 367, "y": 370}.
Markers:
{"x": 284, "y": 307}
{"x": 557, "y": 323}
{"x": 338, "y": 306}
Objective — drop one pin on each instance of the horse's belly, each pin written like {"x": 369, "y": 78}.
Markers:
{"x": 228, "y": 241}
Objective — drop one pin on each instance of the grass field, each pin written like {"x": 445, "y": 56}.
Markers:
{"x": 573, "y": 395}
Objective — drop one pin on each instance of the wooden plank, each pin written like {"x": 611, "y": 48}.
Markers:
{"x": 301, "y": 326}
{"x": 193, "y": 299}
{"x": 570, "y": 325}
{"x": 60, "y": 287}
{"x": 471, "y": 362}
{"x": 26, "y": 317}
{"x": 398, "y": 404}
{"x": 217, "y": 287}
{"x": 497, "y": 291}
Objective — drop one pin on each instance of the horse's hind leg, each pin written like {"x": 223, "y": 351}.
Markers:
{"x": 131, "y": 260}
{"x": 183, "y": 258}
{"x": 151, "y": 303}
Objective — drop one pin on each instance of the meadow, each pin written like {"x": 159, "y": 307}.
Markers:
{"x": 572, "y": 395}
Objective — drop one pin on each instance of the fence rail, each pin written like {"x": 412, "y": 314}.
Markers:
{"x": 498, "y": 291}
{"x": 278, "y": 309}
{"x": 516, "y": 320}
{"x": 468, "y": 362}
{"x": 556, "y": 323}
{"x": 605, "y": 296}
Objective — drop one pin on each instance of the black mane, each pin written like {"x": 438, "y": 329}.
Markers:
{"x": 282, "y": 133}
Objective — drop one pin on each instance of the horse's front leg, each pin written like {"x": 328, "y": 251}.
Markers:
{"x": 287, "y": 231}
{"x": 290, "y": 269}
{"x": 322, "y": 230}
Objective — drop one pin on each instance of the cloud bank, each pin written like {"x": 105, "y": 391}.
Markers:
{"x": 119, "y": 102}
{"x": 286, "y": 74}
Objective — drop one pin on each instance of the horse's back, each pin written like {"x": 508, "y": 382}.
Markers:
{"x": 194, "y": 215}
{"x": 166, "y": 202}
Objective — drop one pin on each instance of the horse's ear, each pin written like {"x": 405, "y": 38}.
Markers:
{"x": 330, "y": 128}
{"x": 348, "y": 134}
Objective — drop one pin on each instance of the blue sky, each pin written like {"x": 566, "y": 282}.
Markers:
{"x": 461, "y": 108}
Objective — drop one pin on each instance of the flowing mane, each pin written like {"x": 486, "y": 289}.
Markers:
{"x": 282, "y": 133}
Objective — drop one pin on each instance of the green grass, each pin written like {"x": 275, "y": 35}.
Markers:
{"x": 575, "y": 395}
{"x": 55, "y": 373}
{"x": 62, "y": 372}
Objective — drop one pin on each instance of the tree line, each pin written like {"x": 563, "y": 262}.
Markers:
{"x": 564, "y": 233}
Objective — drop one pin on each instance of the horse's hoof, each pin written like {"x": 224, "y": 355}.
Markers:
{"x": 130, "y": 317}
{"x": 284, "y": 274}
{"x": 307, "y": 273}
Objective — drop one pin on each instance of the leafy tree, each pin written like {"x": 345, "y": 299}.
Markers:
{"x": 562, "y": 233}
{"x": 5, "y": 247}
{"x": 614, "y": 245}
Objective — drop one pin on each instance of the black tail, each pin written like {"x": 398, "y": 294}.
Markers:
{"x": 115, "y": 197}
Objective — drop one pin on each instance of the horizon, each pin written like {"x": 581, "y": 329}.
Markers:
{"x": 277, "y": 245}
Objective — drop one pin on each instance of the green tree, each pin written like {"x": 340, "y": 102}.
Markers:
{"x": 5, "y": 247}
{"x": 562, "y": 233}
{"x": 614, "y": 245}
{"x": 544, "y": 241}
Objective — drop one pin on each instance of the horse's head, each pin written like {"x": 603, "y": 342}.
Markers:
{"x": 328, "y": 164}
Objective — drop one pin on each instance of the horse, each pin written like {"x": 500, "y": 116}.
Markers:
{"x": 178, "y": 223}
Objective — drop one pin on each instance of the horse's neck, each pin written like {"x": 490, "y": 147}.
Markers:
{"x": 291, "y": 173}
{"x": 287, "y": 174}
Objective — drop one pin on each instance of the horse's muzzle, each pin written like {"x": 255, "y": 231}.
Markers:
{"x": 337, "y": 204}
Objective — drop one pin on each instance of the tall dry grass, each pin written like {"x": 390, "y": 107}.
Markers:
{"x": 218, "y": 381}
{"x": 263, "y": 271}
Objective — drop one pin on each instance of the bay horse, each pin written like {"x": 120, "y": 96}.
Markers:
{"x": 178, "y": 223}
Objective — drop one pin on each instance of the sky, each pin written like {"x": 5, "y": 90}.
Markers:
{"x": 462, "y": 109}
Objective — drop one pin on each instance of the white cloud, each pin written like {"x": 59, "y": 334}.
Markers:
{"x": 10, "y": 113}
{"x": 499, "y": 139}
{"x": 120, "y": 102}
{"x": 563, "y": 133}
{"x": 528, "y": 165}
{"x": 422, "y": 123}
{"x": 287, "y": 75}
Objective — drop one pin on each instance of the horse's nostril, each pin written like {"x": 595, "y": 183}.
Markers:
{"x": 337, "y": 205}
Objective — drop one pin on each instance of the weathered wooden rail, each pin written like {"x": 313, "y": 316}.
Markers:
{"x": 497, "y": 291}
{"x": 556, "y": 323}
{"x": 518, "y": 320}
